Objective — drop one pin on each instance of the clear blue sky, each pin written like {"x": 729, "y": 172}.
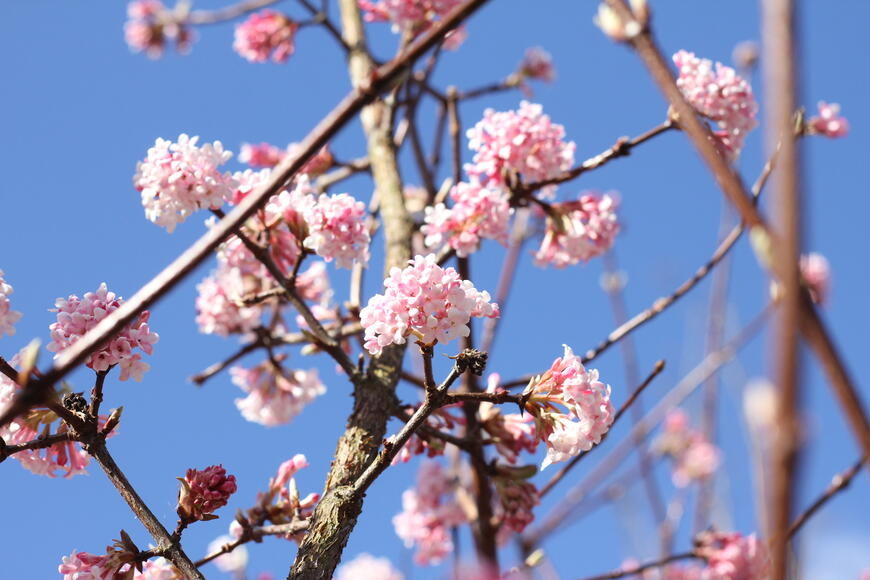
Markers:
{"x": 78, "y": 110}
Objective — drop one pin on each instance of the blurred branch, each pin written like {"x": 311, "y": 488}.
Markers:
{"x": 839, "y": 482}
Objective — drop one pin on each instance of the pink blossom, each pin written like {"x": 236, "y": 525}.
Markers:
{"x": 65, "y": 457}
{"x": 316, "y": 165}
{"x": 524, "y": 141}
{"x": 218, "y": 304}
{"x": 721, "y": 95}
{"x": 732, "y": 556}
{"x": 176, "y": 179}
{"x": 568, "y": 385}
{"x": 275, "y": 395}
{"x": 286, "y": 471}
{"x": 202, "y": 492}
{"x": 76, "y": 316}
{"x": 162, "y": 569}
{"x": 313, "y": 284}
{"x": 427, "y": 515}
{"x": 477, "y": 212}
{"x": 150, "y": 25}
{"x": 579, "y": 230}
{"x": 512, "y": 433}
{"x": 8, "y": 317}
{"x": 517, "y": 499}
{"x": 410, "y": 16}
{"x": 426, "y": 300}
{"x": 829, "y": 123}
{"x": 266, "y": 34}
{"x": 537, "y": 64}
{"x": 246, "y": 182}
{"x": 85, "y": 566}
{"x": 367, "y": 567}
{"x": 817, "y": 275}
{"x": 261, "y": 155}
{"x": 337, "y": 230}
{"x": 694, "y": 457}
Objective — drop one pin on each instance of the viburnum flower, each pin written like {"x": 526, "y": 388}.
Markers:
{"x": 829, "y": 123}
{"x": 817, "y": 273}
{"x": 537, "y": 64}
{"x": 694, "y": 457}
{"x": 427, "y": 515}
{"x": 275, "y": 394}
{"x": 318, "y": 164}
{"x": 202, "y": 492}
{"x": 150, "y": 25}
{"x": 8, "y": 317}
{"x": 261, "y": 155}
{"x": 85, "y": 566}
{"x": 176, "y": 179}
{"x": 587, "y": 414}
{"x": 76, "y": 316}
{"x": 337, "y": 230}
{"x": 266, "y": 34}
{"x": 524, "y": 141}
{"x": 511, "y": 433}
{"x": 425, "y": 300}
{"x": 410, "y": 16}
{"x": 517, "y": 499}
{"x": 477, "y": 212}
{"x": 65, "y": 458}
{"x": 420, "y": 443}
{"x": 313, "y": 284}
{"x": 218, "y": 304}
{"x": 578, "y": 230}
{"x": 721, "y": 95}
{"x": 367, "y": 567}
{"x": 162, "y": 569}
{"x": 733, "y": 556}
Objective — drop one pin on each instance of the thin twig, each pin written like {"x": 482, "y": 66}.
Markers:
{"x": 256, "y": 535}
{"x": 838, "y": 483}
{"x": 632, "y": 570}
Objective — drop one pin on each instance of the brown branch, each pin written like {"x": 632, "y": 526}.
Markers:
{"x": 838, "y": 483}
{"x": 366, "y": 91}
{"x": 729, "y": 181}
{"x": 256, "y": 535}
{"x": 657, "y": 369}
{"x": 349, "y": 169}
{"x": 38, "y": 443}
{"x": 632, "y": 570}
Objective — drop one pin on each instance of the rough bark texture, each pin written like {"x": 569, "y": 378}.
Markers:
{"x": 374, "y": 394}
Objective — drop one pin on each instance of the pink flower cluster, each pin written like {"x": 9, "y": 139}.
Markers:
{"x": 8, "y": 317}
{"x": 478, "y": 212}
{"x": 412, "y": 16}
{"x": 425, "y": 300}
{"x": 512, "y": 433}
{"x": 150, "y": 25}
{"x": 733, "y": 556}
{"x": 76, "y": 316}
{"x": 568, "y": 385}
{"x": 817, "y": 274}
{"x": 537, "y": 64}
{"x": 65, "y": 457}
{"x": 267, "y": 155}
{"x": 721, "y": 95}
{"x": 218, "y": 307}
{"x": 694, "y": 457}
{"x": 517, "y": 499}
{"x": 204, "y": 491}
{"x": 524, "y": 141}
{"x": 367, "y": 567}
{"x": 428, "y": 515}
{"x": 85, "y": 566}
{"x": 829, "y": 122}
{"x": 176, "y": 179}
{"x": 275, "y": 394}
{"x": 579, "y": 231}
{"x": 337, "y": 230}
{"x": 264, "y": 35}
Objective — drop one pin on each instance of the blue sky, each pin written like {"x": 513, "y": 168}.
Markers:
{"x": 79, "y": 110}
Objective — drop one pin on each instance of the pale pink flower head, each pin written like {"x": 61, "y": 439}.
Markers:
{"x": 829, "y": 122}
{"x": 286, "y": 471}
{"x": 410, "y": 16}
{"x": 162, "y": 569}
{"x": 478, "y": 212}
{"x": 76, "y": 316}
{"x": 8, "y": 317}
{"x": 423, "y": 299}
{"x": 337, "y": 230}
{"x": 150, "y": 25}
{"x": 817, "y": 274}
{"x": 517, "y": 498}
{"x": 85, "y": 566}
{"x": 275, "y": 395}
{"x": 721, "y": 95}
{"x": 264, "y": 35}
{"x": 537, "y": 64}
{"x": 699, "y": 461}
{"x": 318, "y": 164}
{"x": 733, "y": 556}
{"x": 524, "y": 142}
{"x": 176, "y": 179}
{"x": 203, "y": 492}
{"x": 367, "y": 567}
{"x": 218, "y": 304}
{"x": 579, "y": 230}
{"x": 313, "y": 284}
{"x": 261, "y": 154}
{"x": 572, "y": 408}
